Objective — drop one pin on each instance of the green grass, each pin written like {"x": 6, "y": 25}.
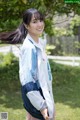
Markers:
{"x": 67, "y": 98}
{"x": 10, "y": 95}
{"x": 66, "y": 87}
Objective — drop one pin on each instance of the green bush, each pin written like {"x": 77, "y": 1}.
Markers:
{"x": 62, "y": 74}
{"x": 7, "y": 59}
{"x": 50, "y": 49}
{"x": 9, "y": 72}
{"x": 1, "y": 58}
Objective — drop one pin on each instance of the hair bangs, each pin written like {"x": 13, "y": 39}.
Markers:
{"x": 38, "y": 16}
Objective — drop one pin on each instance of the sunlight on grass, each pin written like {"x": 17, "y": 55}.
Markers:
{"x": 11, "y": 102}
{"x": 19, "y": 114}
{"x": 66, "y": 87}
{"x": 65, "y": 112}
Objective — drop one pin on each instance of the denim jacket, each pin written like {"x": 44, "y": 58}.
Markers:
{"x": 35, "y": 76}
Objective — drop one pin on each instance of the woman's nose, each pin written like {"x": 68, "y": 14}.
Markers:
{"x": 40, "y": 23}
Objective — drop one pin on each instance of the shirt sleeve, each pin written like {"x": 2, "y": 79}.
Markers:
{"x": 29, "y": 76}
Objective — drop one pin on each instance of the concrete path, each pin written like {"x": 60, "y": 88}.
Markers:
{"x": 58, "y": 59}
{"x": 11, "y": 48}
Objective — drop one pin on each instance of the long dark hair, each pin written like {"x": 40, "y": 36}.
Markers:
{"x": 20, "y": 33}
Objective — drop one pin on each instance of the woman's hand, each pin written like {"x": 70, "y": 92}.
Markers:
{"x": 44, "y": 112}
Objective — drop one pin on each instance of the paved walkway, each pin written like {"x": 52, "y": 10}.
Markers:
{"x": 67, "y": 60}
{"x": 58, "y": 59}
{"x": 10, "y": 48}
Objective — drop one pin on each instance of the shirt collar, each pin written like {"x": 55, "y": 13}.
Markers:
{"x": 38, "y": 45}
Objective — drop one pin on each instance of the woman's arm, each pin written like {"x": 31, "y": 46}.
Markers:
{"x": 28, "y": 66}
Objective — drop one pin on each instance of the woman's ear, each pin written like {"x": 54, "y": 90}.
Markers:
{"x": 26, "y": 26}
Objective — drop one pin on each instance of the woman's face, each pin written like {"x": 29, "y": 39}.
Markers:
{"x": 35, "y": 27}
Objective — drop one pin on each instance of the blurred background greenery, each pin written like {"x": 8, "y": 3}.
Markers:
{"x": 62, "y": 23}
{"x": 62, "y": 29}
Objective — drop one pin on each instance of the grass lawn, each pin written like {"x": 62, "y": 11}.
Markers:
{"x": 67, "y": 99}
{"x": 66, "y": 87}
{"x": 11, "y": 102}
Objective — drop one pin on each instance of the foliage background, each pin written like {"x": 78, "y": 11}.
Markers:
{"x": 11, "y": 12}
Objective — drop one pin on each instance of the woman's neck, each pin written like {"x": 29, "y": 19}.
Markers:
{"x": 35, "y": 38}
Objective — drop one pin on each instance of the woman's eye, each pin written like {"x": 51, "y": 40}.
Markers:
{"x": 35, "y": 21}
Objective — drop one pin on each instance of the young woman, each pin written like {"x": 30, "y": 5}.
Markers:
{"x": 34, "y": 69}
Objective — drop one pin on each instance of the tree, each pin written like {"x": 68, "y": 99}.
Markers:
{"x": 11, "y": 11}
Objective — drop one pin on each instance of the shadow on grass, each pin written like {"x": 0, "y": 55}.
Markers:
{"x": 66, "y": 86}
{"x": 10, "y": 89}
{"x": 11, "y": 99}
{"x": 68, "y": 95}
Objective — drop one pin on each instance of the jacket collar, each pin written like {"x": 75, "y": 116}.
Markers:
{"x": 38, "y": 45}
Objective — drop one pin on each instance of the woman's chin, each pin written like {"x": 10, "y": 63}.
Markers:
{"x": 39, "y": 33}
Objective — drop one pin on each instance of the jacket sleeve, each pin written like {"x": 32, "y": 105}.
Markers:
{"x": 29, "y": 76}
{"x": 50, "y": 80}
